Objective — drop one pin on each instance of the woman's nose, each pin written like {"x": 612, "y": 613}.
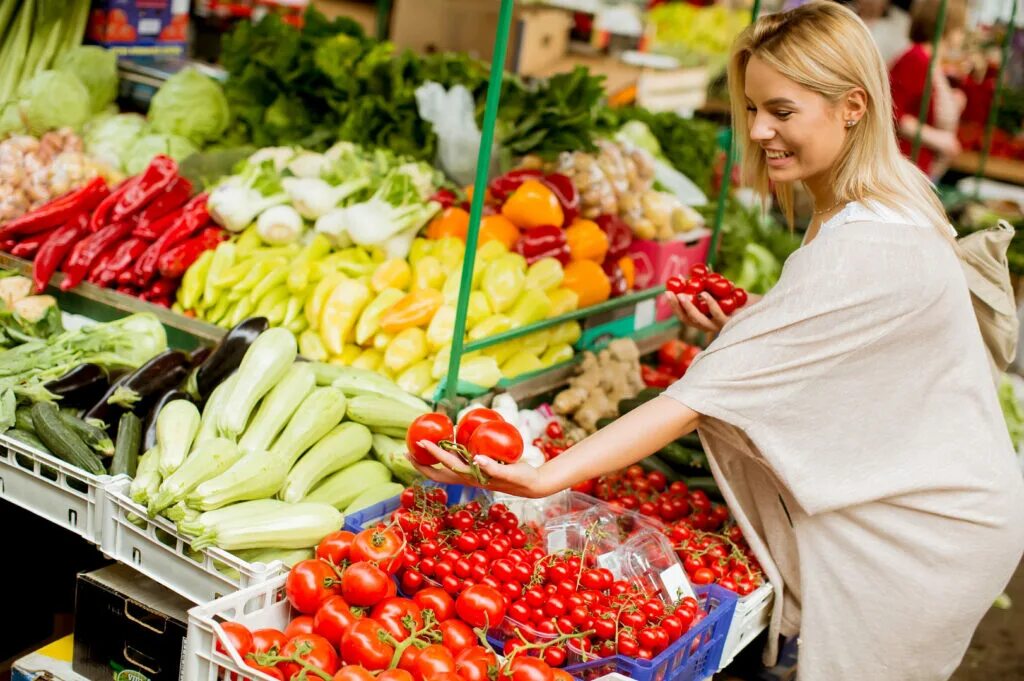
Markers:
{"x": 760, "y": 131}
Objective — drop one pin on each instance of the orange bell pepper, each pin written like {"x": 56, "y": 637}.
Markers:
{"x": 586, "y": 241}
{"x": 451, "y": 222}
{"x": 588, "y": 281}
{"x": 628, "y": 268}
{"x": 413, "y": 310}
{"x": 533, "y": 205}
{"x": 498, "y": 228}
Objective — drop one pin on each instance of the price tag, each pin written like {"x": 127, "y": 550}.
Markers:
{"x": 558, "y": 540}
{"x": 675, "y": 584}
{"x": 644, "y": 314}
{"x": 149, "y": 26}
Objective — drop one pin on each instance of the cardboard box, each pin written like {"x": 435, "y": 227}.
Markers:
{"x": 656, "y": 261}
{"x": 140, "y": 28}
{"x": 50, "y": 663}
{"x": 128, "y": 626}
{"x": 538, "y": 36}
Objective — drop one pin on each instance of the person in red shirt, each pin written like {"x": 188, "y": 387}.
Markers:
{"x": 907, "y": 77}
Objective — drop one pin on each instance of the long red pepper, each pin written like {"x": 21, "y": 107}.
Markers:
{"x": 160, "y": 172}
{"x": 153, "y": 230}
{"x": 100, "y": 265}
{"x": 101, "y": 216}
{"x": 172, "y": 197}
{"x": 60, "y": 243}
{"x": 86, "y": 251}
{"x": 58, "y": 211}
{"x": 29, "y": 246}
{"x": 192, "y": 219}
{"x": 122, "y": 260}
{"x": 174, "y": 262}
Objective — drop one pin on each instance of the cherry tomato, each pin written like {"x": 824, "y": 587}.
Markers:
{"x": 300, "y": 625}
{"x": 699, "y": 270}
{"x": 394, "y": 675}
{"x": 436, "y": 600}
{"x": 481, "y": 606}
{"x": 456, "y": 635}
{"x": 238, "y": 637}
{"x": 333, "y": 619}
{"x": 673, "y": 626}
{"x": 380, "y": 546}
{"x": 335, "y": 547}
{"x": 554, "y": 430}
{"x": 433, "y": 427}
{"x": 728, "y": 304}
{"x": 362, "y": 645}
{"x": 470, "y": 422}
{"x": 692, "y": 286}
{"x": 272, "y": 672}
{"x": 740, "y": 295}
{"x": 628, "y": 645}
{"x": 657, "y": 480}
{"x": 364, "y": 584}
{"x": 353, "y": 672}
{"x": 675, "y": 285}
{"x": 412, "y": 581}
{"x": 310, "y": 583}
{"x": 320, "y": 654}
{"x": 525, "y": 668}
{"x": 555, "y": 656}
{"x": 497, "y": 440}
{"x": 703, "y": 576}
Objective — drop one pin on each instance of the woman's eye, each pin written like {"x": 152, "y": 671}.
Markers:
{"x": 751, "y": 109}
{"x": 783, "y": 115}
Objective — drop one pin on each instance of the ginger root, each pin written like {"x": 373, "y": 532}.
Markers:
{"x": 601, "y": 382}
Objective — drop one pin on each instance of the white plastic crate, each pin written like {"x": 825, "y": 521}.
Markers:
{"x": 154, "y": 547}
{"x": 753, "y": 613}
{"x": 54, "y": 489}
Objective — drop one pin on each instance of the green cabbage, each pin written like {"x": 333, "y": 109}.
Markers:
{"x": 191, "y": 105}
{"x": 51, "y": 100}
{"x": 148, "y": 146}
{"x": 109, "y": 139}
{"x": 96, "y": 68}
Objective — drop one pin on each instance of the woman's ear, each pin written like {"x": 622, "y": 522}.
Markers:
{"x": 855, "y": 106}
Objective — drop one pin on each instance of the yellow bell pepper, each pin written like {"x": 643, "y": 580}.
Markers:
{"x": 350, "y": 354}
{"x": 394, "y": 273}
{"x": 563, "y": 300}
{"x": 428, "y": 273}
{"x": 521, "y": 363}
{"x": 449, "y": 252}
{"x": 302, "y": 266}
{"x": 382, "y": 340}
{"x": 420, "y": 249}
{"x": 586, "y": 241}
{"x": 430, "y": 394}
{"x": 315, "y": 302}
{"x": 377, "y": 254}
{"x": 311, "y": 347}
{"x": 369, "y": 321}
{"x": 408, "y": 347}
{"x": 533, "y": 205}
{"x": 567, "y": 332}
{"x": 537, "y": 342}
{"x": 503, "y": 351}
{"x": 442, "y": 328}
{"x": 440, "y": 362}
{"x": 557, "y": 354}
{"x": 192, "y": 283}
{"x": 545, "y": 274}
{"x": 481, "y": 371}
{"x": 341, "y": 310}
{"x": 494, "y": 324}
{"x": 503, "y": 281}
{"x": 532, "y": 306}
{"x": 416, "y": 379}
{"x": 479, "y": 309}
{"x": 414, "y": 309}
{"x": 369, "y": 359}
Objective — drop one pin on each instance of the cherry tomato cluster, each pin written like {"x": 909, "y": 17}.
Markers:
{"x": 723, "y": 559}
{"x": 567, "y": 594}
{"x": 650, "y": 495}
{"x": 553, "y": 442}
{"x": 674, "y": 358}
{"x": 481, "y": 432}
{"x": 729, "y": 298}
{"x": 352, "y": 625}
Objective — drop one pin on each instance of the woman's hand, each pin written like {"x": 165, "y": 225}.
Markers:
{"x": 518, "y": 479}
{"x": 689, "y": 315}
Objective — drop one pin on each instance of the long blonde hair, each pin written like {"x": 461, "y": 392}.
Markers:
{"x": 826, "y": 48}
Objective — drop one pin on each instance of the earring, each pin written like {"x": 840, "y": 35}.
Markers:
{"x": 850, "y": 124}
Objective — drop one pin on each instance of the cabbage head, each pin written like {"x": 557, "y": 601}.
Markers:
{"x": 96, "y": 68}
{"x": 108, "y": 140}
{"x": 148, "y": 146}
{"x": 52, "y": 100}
{"x": 191, "y": 105}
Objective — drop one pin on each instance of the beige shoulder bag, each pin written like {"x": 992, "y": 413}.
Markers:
{"x": 983, "y": 256}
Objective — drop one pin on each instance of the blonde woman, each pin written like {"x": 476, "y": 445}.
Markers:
{"x": 850, "y": 415}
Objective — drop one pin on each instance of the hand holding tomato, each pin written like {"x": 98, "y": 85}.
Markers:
{"x": 704, "y": 300}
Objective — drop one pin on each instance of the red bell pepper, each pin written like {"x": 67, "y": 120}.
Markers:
{"x": 57, "y": 212}
{"x": 565, "y": 191}
{"x": 174, "y": 196}
{"x": 192, "y": 219}
{"x": 86, "y": 251}
{"x": 445, "y": 197}
{"x": 124, "y": 256}
{"x": 502, "y": 187}
{"x": 617, "y": 278}
{"x": 101, "y": 216}
{"x": 655, "y": 378}
{"x": 620, "y": 236}
{"x": 153, "y": 181}
{"x": 29, "y": 246}
{"x": 174, "y": 262}
{"x": 546, "y": 241}
{"x": 60, "y": 243}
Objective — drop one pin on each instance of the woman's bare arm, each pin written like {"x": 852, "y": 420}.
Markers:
{"x": 625, "y": 441}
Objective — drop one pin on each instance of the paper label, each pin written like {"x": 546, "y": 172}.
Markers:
{"x": 675, "y": 584}
{"x": 644, "y": 314}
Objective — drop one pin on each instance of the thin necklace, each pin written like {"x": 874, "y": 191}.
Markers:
{"x": 828, "y": 210}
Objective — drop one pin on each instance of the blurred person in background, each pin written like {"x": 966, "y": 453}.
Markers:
{"x": 889, "y": 25}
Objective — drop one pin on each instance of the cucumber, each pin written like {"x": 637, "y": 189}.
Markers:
{"x": 677, "y": 455}
{"x": 63, "y": 441}
{"x": 96, "y": 438}
{"x": 176, "y": 428}
{"x": 343, "y": 446}
{"x": 23, "y": 420}
{"x": 129, "y": 441}
{"x": 28, "y": 438}
{"x": 345, "y": 486}
{"x": 375, "y": 495}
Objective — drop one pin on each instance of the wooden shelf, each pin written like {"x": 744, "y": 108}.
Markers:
{"x": 1005, "y": 169}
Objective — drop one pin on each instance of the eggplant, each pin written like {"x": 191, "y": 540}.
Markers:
{"x": 149, "y": 422}
{"x": 80, "y": 387}
{"x": 200, "y": 354}
{"x": 141, "y": 387}
{"x": 226, "y": 357}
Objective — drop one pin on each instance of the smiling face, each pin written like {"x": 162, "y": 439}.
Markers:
{"x": 800, "y": 132}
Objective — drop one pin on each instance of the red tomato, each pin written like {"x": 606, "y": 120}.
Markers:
{"x": 395, "y": 675}
{"x": 457, "y": 636}
{"x": 380, "y": 546}
{"x": 526, "y": 668}
{"x": 675, "y": 285}
{"x": 699, "y": 270}
{"x": 309, "y": 584}
{"x": 473, "y": 664}
{"x": 693, "y": 286}
{"x": 362, "y": 645}
{"x": 472, "y": 420}
{"x": 433, "y": 660}
{"x": 333, "y": 619}
{"x": 238, "y": 637}
{"x": 481, "y": 606}
{"x": 433, "y": 427}
{"x": 740, "y": 295}
{"x": 392, "y": 614}
{"x": 703, "y": 576}
{"x": 272, "y": 672}
{"x": 728, "y": 304}
{"x": 497, "y": 440}
{"x": 673, "y": 626}
{"x": 365, "y": 584}
{"x": 320, "y": 654}
{"x": 268, "y": 640}
{"x": 433, "y": 598}
{"x": 300, "y": 625}
{"x": 353, "y": 672}
{"x": 335, "y": 547}
{"x": 719, "y": 288}
{"x": 561, "y": 675}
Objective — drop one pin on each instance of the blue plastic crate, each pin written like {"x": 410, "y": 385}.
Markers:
{"x": 381, "y": 512}
{"x": 693, "y": 657}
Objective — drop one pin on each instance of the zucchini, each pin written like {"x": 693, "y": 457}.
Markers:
{"x": 653, "y": 463}
{"x": 391, "y": 453}
{"x": 149, "y": 422}
{"x": 126, "y": 451}
{"x": 691, "y": 441}
{"x": 376, "y": 412}
{"x": 342, "y": 488}
{"x": 180, "y": 513}
{"x": 202, "y": 522}
{"x": 147, "y": 477}
{"x": 257, "y": 475}
{"x": 343, "y": 446}
{"x": 176, "y": 428}
{"x": 28, "y": 438}
{"x": 323, "y": 409}
{"x": 8, "y": 410}
{"x": 265, "y": 363}
{"x": 209, "y": 459}
{"x": 277, "y": 407}
{"x": 96, "y": 438}
{"x": 375, "y": 495}
{"x": 266, "y": 556}
{"x": 63, "y": 441}
{"x": 296, "y": 526}
{"x": 211, "y": 410}
{"x": 226, "y": 357}
{"x": 23, "y": 420}
{"x": 355, "y": 382}
{"x": 677, "y": 455}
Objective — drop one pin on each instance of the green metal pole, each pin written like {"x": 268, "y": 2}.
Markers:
{"x": 483, "y": 163}
{"x": 383, "y": 19}
{"x": 926, "y": 96}
{"x": 993, "y": 110}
